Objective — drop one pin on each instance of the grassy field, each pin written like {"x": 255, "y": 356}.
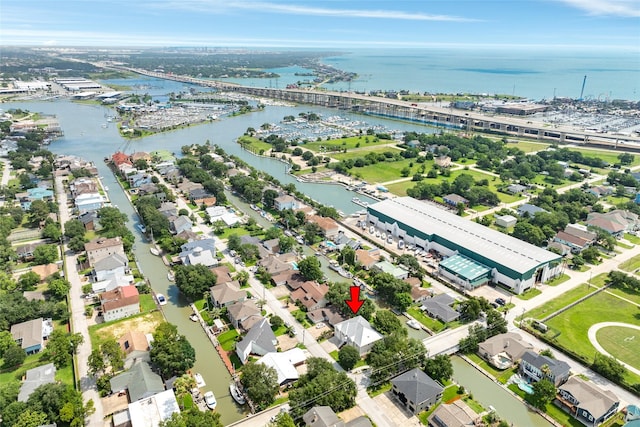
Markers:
{"x": 363, "y": 151}
{"x": 631, "y": 264}
{"x": 558, "y": 280}
{"x": 622, "y": 343}
{"x": 342, "y": 143}
{"x": 633, "y": 239}
{"x": 626, "y": 293}
{"x": 432, "y": 324}
{"x": 254, "y": 144}
{"x": 529, "y": 293}
{"x": 385, "y": 171}
{"x": 227, "y": 339}
{"x": 559, "y": 302}
{"x": 607, "y": 156}
{"x": 575, "y": 322}
{"x": 528, "y": 146}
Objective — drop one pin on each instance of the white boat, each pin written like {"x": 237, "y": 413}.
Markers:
{"x": 161, "y": 299}
{"x": 199, "y": 380}
{"x": 413, "y": 323}
{"x": 235, "y": 393}
{"x": 193, "y": 317}
{"x": 170, "y": 276}
{"x": 210, "y": 400}
{"x": 154, "y": 251}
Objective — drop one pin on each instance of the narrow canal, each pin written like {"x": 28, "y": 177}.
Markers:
{"x": 488, "y": 393}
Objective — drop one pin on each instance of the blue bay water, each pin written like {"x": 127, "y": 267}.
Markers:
{"x": 535, "y": 74}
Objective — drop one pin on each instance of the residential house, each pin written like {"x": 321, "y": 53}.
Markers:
{"x": 357, "y": 332}
{"x": 138, "y": 179}
{"x": 119, "y": 158}
{"x": 46, "y": 270}
{"x": 367, "y": 258}
{"x": 102, "y": 247}
{"x": 416, "y": 391}
{"x": 311, "y": 295}
{"x": 187, "y": 186}
{"x": 152, "y": 189}
{"x": 503, "y": 350}
{"x": 168, "y": 209}
{"x": 443, "y": 161}
{"x": 396, "y": 271}
{"x": 454, "y": 414}
{"x": 243, "y": 315}
{"x": 342, "y": 240}
{"x": 260, "y": 340}
{"x": 272, "y": 245}
{"x": 575, "y": 243}
{"x": 113, "y": 265}
{"x": 82, "y": 186}
{"x": 439, "y": 307}
{"x": 34, "y": 378}
{"x": 199, "y": 252}
{"x": 587, "y": 402}
{"x": 139, "y": 381}
{"x": 223, "y": 274}
{"x": 528, "y": 209}
{"x": 328, "y": 225}
{"x": 180, "y": 224}
{"x": 534, "y": 367}
{"x": 30, "y": 335}
{"x": 89, "y": 202}
{"x": 600, "y": 191}
{"x": 133, "y": 341}
{"x": 285, "y": 364}
{"x": 226, "y": 294}
{"x": 330, "y": 315}
{"x": 516, "y": 188}
{"x": 32, "y": 194}
{"x": 454, "y": 200}
{"x": 198, "y": 194}
{"x": 25, "y": 252}
{"x": 274, "y": 265}
{"x": 323, "y": 416}
{"x": 140, "y": 155}
{"x": 188, "y": 235}
{"x": 632, "y": 416}
{"x": 206, "y": 201}
{"x": 616, "y": 222}
{"x": 285, "y": 202}
{"x": 89, "y": 220}
{"x": 120, "y": 303}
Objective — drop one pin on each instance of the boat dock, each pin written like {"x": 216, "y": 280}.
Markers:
{"x": 214, "y": 340}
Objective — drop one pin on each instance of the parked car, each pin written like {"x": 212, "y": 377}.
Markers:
{"x": 501, "y": 301}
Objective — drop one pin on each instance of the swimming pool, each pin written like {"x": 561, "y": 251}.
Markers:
{"x": 525, "y": 387}
{"x": 295, "y": 265}
{"x": 330, "y": 244}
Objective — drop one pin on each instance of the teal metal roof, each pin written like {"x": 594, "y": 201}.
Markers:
{"x": 465, "y": 267}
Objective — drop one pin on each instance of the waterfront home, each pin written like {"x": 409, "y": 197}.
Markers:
{"x": 329, "y": 226}
{"x": 439, "y": 307}
{"x": 416, "y": 391}
{"x": 139, "y": 381}
{"x": 323, "y": 416}
{"x": 34, "y": 378}
{"x": 259, "y": 341}
{"x": 311, "y": 295}
{"x": 223, "y": 274}
{"x": 83, "y": 185}
{"x": 133, "y": 342}
{"x": 454, "y": 414}
{"x": 534, "y": 367}
{"x": 88, "y": 202}
{"x": 328, "y": 315}
{"x": 168, "y": 209}
{"x": 587, "y": 402}
{"x": 503, "y": 350}
{"x": 120, "y": 303}
{"x": 243, "y": 315}
{"x": 102, "y": 247}
{"x": 226, "y": 294}
{"x": 30, "y": 335}
{"x": 137, "y": 179}
{"x": 367, "y": 258}
{"x": 357, "y": 332}
{"x": 180, "y": 224}
{"x": 119, "y": 158}
{"x": 284, "y": 202}
{"x": 285, "y": 364}
{"x": 89, "y": 220}
{"x": 201, "y": 252}
{"x": 274, "y": 266}
{"x": 396, "y": 271}
{"x": 113, "y": 265}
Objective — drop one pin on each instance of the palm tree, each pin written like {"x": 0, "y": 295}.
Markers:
{"x": 242, "y": 277}
{"x": 184, "y": 385}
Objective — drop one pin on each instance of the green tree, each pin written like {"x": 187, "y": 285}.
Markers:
{"x": 310, "y": 268}
{"x": 38, "y": 211}
{"x": 394, "y": 354}
{"x": 14, "y": 356}
{"x": 171, "y": 352}
{"x": 28, "y": 281}
{"x": 59, "y": 288}
{"x": 45, "y": 254}
{"x": 387, "y": 323}
{"x": 496, "y": 323}
{"x": 348, "y": 356}
{"x": 6, "y": 342}
{"x": 347, "y": 256}
{"x": 31, "y": 418}
{"x": 194, "y": 280}
{"x": 286, "y": 243}
{"x": 439, "y": 367}
{"x": 96, "y": 362}
{"x": 609, "y": 367}
{"x": 52, "y": 231}
{"x": 112, "y": 353}
{"x": 276, "y": 322}
{"x": 283, "y": 419}
{"x": 261, "y": 383}
{"x": 193, "y": 418}
{"x": 12, "y": 412}
{"x": 76, "y": 244}
{"x": 543, "y": 393}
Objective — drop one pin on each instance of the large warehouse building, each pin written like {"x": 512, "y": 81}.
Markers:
{"x": 475, "y": 254}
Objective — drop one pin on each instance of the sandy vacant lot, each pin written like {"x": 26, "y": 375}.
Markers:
{"x": 146, "y": 324}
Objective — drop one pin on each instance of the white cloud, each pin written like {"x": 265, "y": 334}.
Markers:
{"x": 216, "y": 6}
{"x": 624, "y": 8}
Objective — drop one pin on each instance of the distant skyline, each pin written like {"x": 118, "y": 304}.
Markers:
{"x": 338, "y": 24}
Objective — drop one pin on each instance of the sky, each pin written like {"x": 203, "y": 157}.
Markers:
{"x": 586, "y": 24}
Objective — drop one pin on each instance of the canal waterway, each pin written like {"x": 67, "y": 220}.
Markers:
{"x": 488, "y": 393}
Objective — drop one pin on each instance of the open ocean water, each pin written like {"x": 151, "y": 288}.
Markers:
{"x": 535, "y": 74}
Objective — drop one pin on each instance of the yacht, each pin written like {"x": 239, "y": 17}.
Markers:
{"x": 236, "y": 394}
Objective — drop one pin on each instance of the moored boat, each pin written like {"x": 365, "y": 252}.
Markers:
{"x": 236, "y": 394}
{"x": 199, "y": 380}
{"x": 161, "y": 299}
{"x": 154, "y": 251}
{"x": 193, "y": 317}
{"x": 413, "y": 323}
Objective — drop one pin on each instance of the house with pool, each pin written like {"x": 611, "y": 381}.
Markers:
{"x": 504, "y": 350}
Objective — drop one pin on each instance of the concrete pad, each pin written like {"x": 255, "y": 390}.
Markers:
{"x": 399, "y": 417}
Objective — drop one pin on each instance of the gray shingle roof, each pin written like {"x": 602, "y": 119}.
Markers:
{"x": 556, "y": 367}
{"x": 417, "y": 386}
{"x": 140, "y": 380}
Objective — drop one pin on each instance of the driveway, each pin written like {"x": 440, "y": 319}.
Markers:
{"x": 397, "y": 416}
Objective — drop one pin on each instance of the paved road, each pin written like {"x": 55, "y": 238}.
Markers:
{"x": 6, "y": 172}
{"x": 78, "y": 319}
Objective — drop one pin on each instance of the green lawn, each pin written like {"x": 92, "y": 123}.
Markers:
{"x": 228, "y": 231}
{"x": 227, "y": 339}
{"x": 379, "y": 390}
{"x": 575, "y": 322}
{"x": 558, "y": 280}
{"x": 559, "y": 302}
{"x": 529, "y": 293}
{"x": 633, "y": 239}
{"x": 528, "y": 146}
{"x": 626, "y": 293}
{"x": 385, "y": 171}
{"x": 630, "y": 265}
{"x": 253, "y": 144}
{"x": 433, "y": 325}
{"x": 342, "y": 143}
{"x": 301, "y": 317}
{"x": 363, "y": 151}
{"x": 607, "y": 156}
{"x": 622, "y": 343}
{"x": 450, "y": 393}
{"x": 147, "y": 303}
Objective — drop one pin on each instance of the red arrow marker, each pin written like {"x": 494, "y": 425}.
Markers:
{"x": 354, "y": 303}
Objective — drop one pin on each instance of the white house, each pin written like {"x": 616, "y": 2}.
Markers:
{"x": 357, "y": 332}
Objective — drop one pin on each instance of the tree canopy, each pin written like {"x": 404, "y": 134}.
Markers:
{"x": 261, "y": 383}
{"x": 194, "y": 280}
{"x": 171, "y": 352}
